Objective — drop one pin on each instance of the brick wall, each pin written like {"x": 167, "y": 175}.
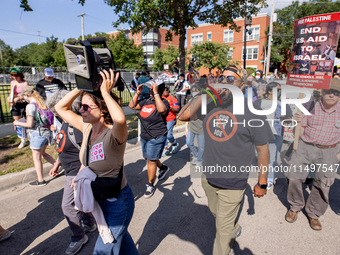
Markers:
{"x": 217, "y": 35}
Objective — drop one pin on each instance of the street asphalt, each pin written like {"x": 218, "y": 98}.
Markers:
{"x": 175, "y": 221}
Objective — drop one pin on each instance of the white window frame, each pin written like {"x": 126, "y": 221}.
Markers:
{"x": 248, "y": 48}
{"x": 229, "y": 32}
{"x": 230, "y": 53}
{"x": 252, "y": 34}
{"x": 209, "y": 33}
{"x": 200, "y": 35}
{"x": 137, "y": 38}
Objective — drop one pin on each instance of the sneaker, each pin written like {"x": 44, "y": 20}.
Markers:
{"x": 175, "y": 148}
{"x": 163, "y": 170}
{"x": 165, "y": 153}
{"x": 150, "y": 190}
{"x": 22, "y": 144}
{"x": 37, "y": 183}
{"x": 269, "y": 186}
{"x": 5, "y": 236}
{"x": 88, "y": 229}
{"x": 74, "y": 247}
{"x": 194, "y": 160}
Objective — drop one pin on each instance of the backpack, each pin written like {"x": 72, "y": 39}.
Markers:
{"x": 45, "y": 117}
{"x": 179, "y": 86}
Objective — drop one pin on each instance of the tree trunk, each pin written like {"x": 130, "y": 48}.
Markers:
{"x": 182, "y": 37}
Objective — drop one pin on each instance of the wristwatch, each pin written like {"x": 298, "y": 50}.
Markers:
{"x": 262, "y": 186}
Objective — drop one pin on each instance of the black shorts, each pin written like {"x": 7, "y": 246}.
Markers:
{"x": 18, "y": 109}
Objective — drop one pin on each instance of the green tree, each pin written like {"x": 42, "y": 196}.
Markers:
{"x": 212, "y": 54}
{"x": 178, "y": 15}
{"x": 283, "y": 29}
{"x": 7, "y": 55}
{"x": 164, "y": 57}
{"x": 125, "y": 53}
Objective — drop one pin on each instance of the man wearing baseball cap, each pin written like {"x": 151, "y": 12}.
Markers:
{"x": 318, "y": 151}
{"x": 49, "y": 84}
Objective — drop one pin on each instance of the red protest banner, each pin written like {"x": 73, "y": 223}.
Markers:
{"x": 313, "y": 52}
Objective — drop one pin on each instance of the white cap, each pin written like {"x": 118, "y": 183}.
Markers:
{"x": 49, "y": 72}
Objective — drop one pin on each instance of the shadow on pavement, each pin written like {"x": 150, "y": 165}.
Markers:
{"x": 250, "y": 196}
{"x": 238, "y": 251}
{"x": 41, "y": 219}
{"x": 177, "y": 214}
{"x": 38, "y": 221}
{"x": 334, "y": 197}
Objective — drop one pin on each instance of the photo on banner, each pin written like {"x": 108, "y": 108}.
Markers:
{"x": 313, "y": 51}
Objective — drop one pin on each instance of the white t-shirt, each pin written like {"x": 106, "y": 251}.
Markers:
{"x": 185, "y": 85}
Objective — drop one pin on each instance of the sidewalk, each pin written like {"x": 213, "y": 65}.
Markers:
{"x": 8, "y": 129}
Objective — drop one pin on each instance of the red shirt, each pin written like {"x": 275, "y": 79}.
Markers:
{"x": 321, "y": 127}
{"x": 173, "y": 104}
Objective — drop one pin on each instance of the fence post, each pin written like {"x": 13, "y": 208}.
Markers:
{"x": 1, "y": 113}
{"x": 69, "y": 85}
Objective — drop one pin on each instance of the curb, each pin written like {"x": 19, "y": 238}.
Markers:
{"x": 9, "y": 181}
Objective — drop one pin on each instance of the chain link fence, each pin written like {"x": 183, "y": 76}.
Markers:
{"x": 34, "y": 74}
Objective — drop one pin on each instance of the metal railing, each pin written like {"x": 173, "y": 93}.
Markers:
{"x": 34, "y": 74}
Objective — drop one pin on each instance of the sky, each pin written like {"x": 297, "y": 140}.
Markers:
{"x": 59, "y": 18}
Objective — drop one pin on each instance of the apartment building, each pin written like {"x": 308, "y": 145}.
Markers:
{"x": 154, "y": 39}
{"x": 216, "y": 33}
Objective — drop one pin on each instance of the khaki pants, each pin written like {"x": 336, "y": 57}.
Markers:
{"x": 325, "y": 161}
{"x": 224, "y": 204}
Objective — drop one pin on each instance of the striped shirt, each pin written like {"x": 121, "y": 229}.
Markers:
{"x": 322, "y": 128}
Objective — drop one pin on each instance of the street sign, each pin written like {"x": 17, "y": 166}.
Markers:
{"x": 261, "y": 61}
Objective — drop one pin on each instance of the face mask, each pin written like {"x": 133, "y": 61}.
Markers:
{"x": 257, "y": 77}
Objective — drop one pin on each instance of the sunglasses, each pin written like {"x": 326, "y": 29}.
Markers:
{"x": 86, "y": 107}
{"x": 228, "y": 79}
{"x": 330, "y": 91}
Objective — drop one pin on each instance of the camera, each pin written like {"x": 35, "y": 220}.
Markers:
{"x": 86, "y": 63}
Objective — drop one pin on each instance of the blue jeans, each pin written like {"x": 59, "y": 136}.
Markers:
{"x": 187, "y": 140}
{"x": 170, "y": 137}
{"x": 152, "y": 149}
{"x": 118, "y": 215}
{"x": 274, "y": 150}
{"x": 200, "y": 141}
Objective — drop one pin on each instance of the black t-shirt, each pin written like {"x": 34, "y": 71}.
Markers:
{"x": 229, "y": 144}
{"x": 44, "y": 88}
{"x": 68, "y": 153}
{"x": 152, "y": 119}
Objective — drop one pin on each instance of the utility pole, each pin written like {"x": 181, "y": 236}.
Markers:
{"x": 247, "y": 22}
{"x": 82, "y": 25}
{"x": 270, "y": 38}
{"x": 1, "y": 54}
{"x": 245, "y": 45}
{"x": 39, "y": 36}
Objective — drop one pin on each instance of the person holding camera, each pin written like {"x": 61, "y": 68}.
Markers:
{"x": 181, "y": 87}
{"x": 154, "y": 131}
{"x": 104, "y": 129}
{"x": 68, "y": 143}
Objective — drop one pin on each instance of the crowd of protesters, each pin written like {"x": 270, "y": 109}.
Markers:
{"x": 92, "y": 134}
